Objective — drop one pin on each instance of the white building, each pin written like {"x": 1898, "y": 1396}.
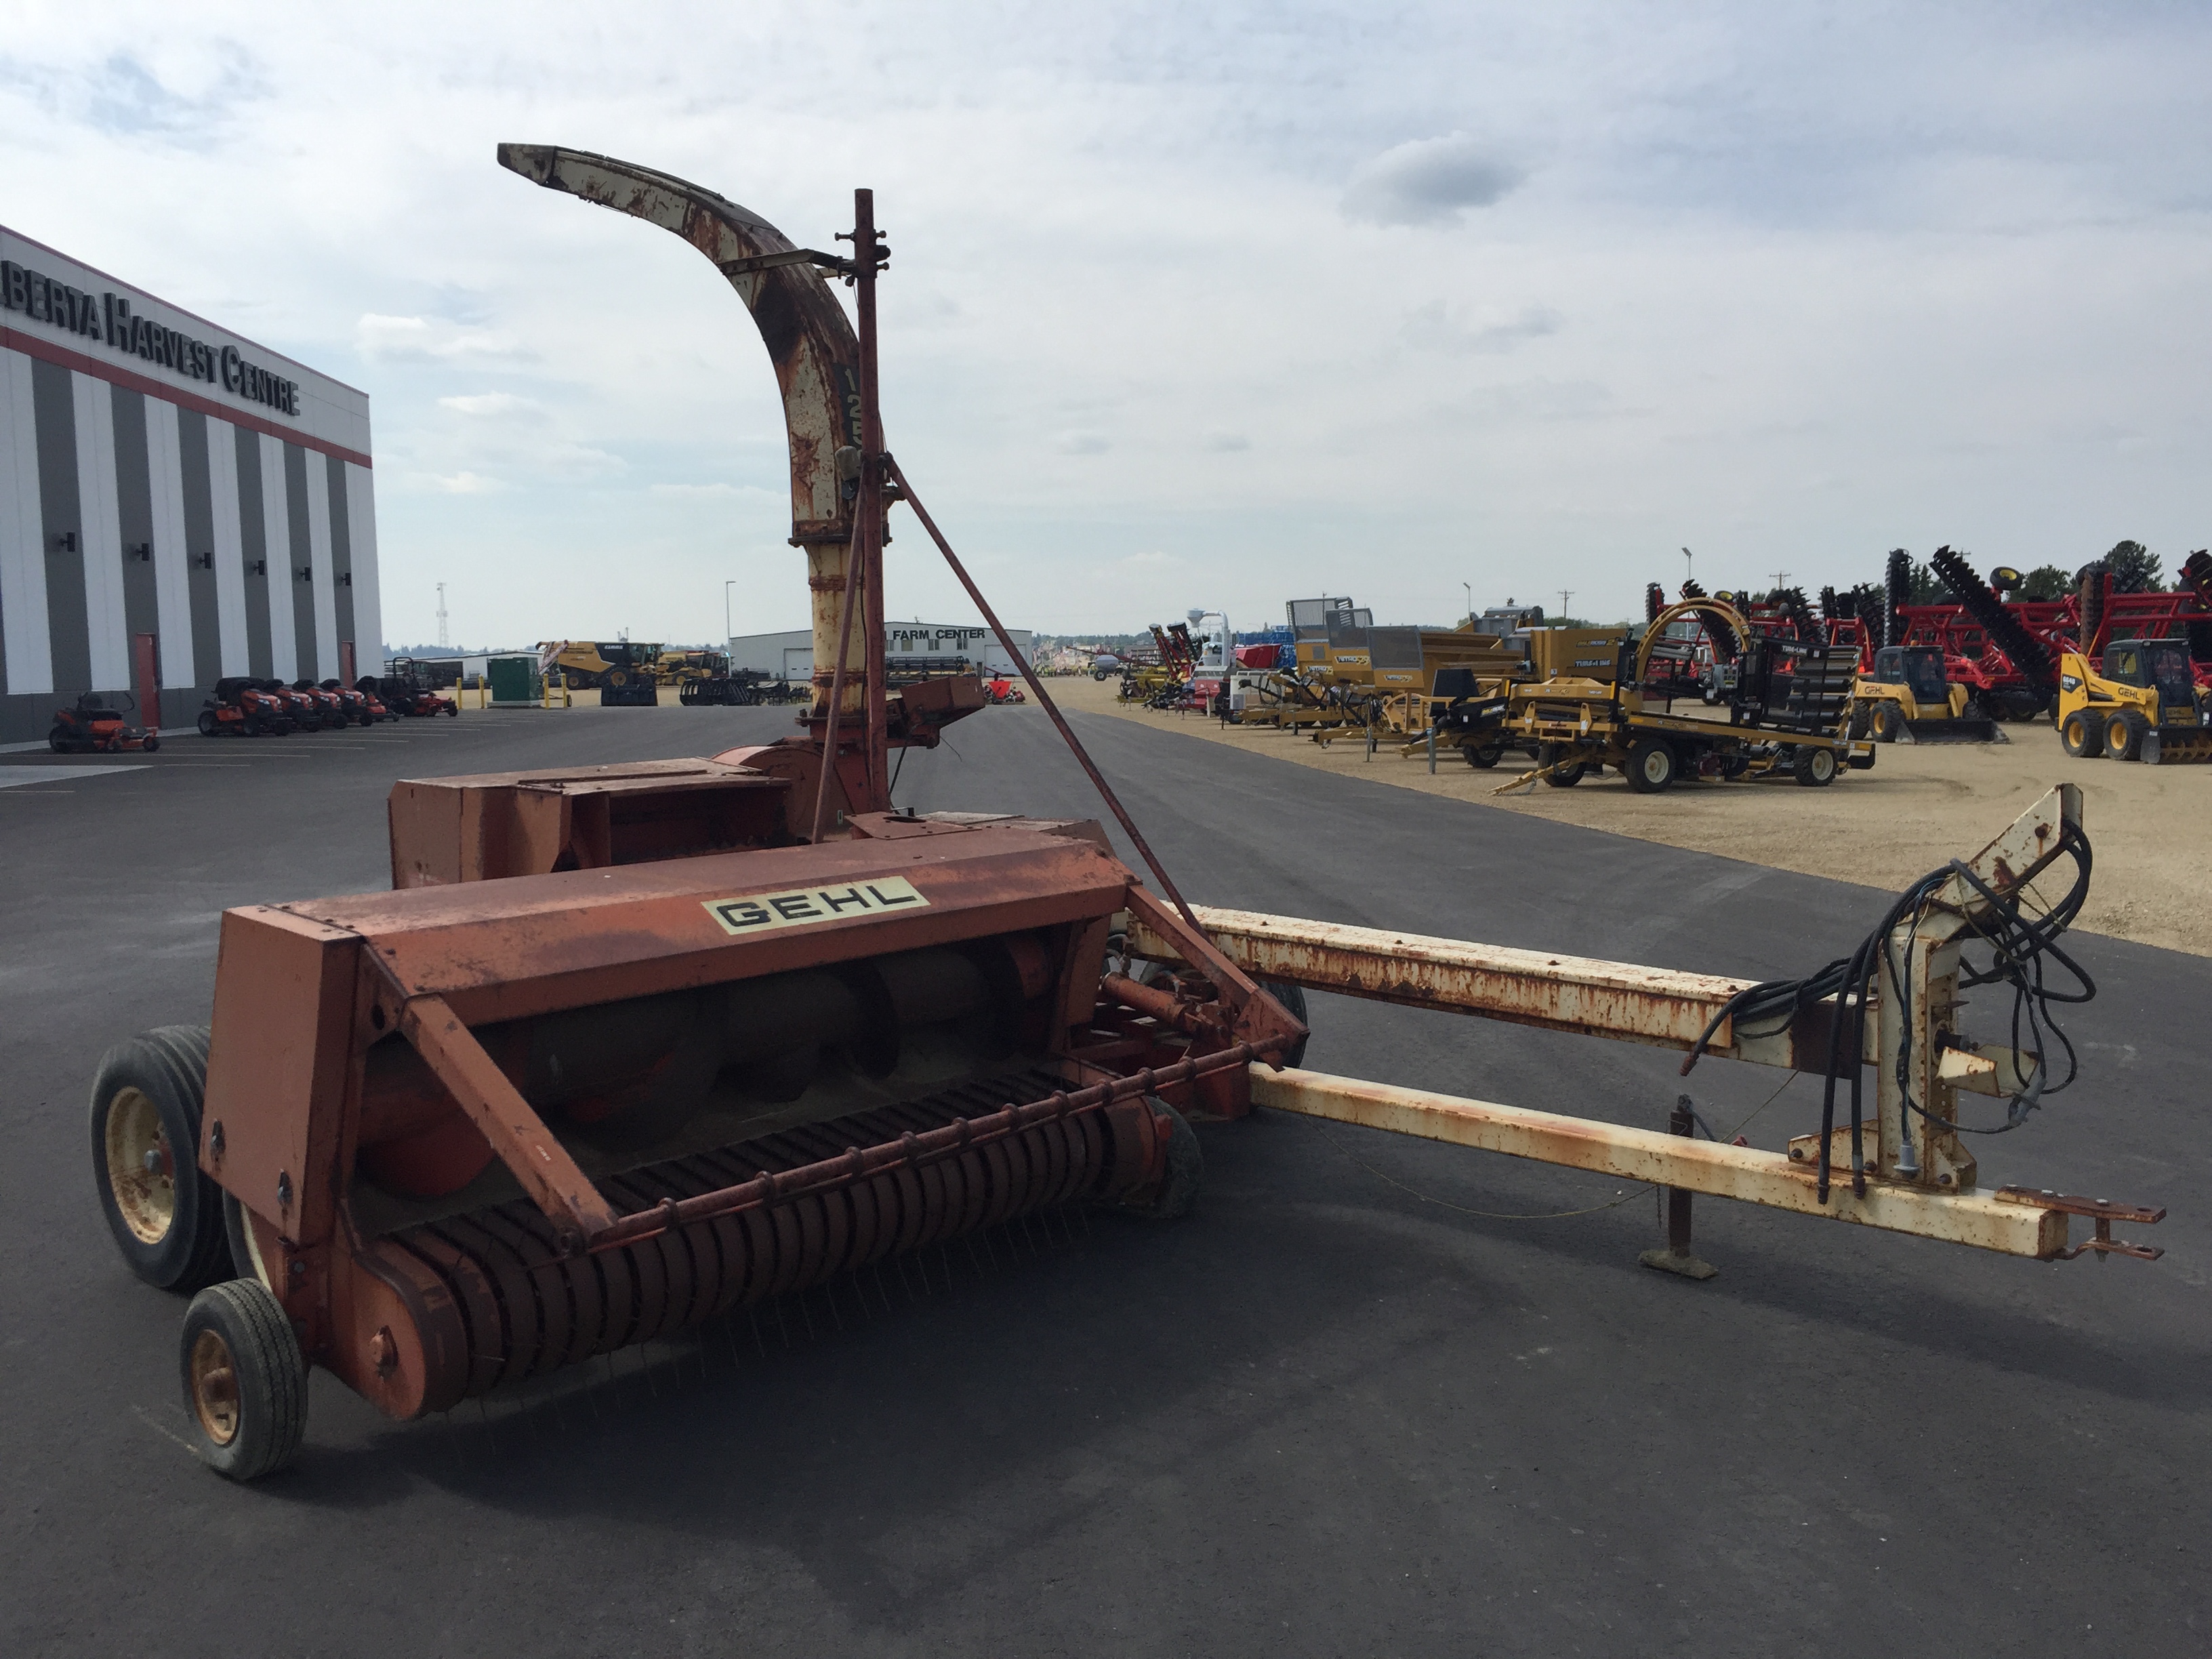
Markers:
{"x": 176, "y": 503}
{"x": 790, "y": 655}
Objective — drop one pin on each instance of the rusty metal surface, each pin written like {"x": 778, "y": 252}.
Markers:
{"x": 503, "y": 950}
{"x": 810, "y": 342}
{"x": 1656, "y": 1006}
{"x": 525, "y": 1303}
{"x": 1698, "y": 1166}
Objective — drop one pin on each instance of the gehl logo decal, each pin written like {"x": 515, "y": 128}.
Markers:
{"x": 759, "y": 913}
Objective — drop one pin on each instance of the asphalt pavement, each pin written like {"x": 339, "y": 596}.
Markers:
{"x": 1374, "y": 1396}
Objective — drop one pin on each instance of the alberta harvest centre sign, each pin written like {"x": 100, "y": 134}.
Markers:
{"x": 108, "y": 318}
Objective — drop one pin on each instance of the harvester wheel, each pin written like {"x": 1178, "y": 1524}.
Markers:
{"x": 2124, "y": 735}
{"x": 1813, "y": 767}
{"x": 1567, "y": 776}
{"x": 208, "y": 726}
{"x": 1484, "y": 756}
{"x": 245, "y": 1383}
{"x": 1651, "y": 767}
{"x": 1887, "y": 722}
{"x": 1186, "y": 1169}
{"x": 2081, "y": 737}
{"x": 166, "y": 1215}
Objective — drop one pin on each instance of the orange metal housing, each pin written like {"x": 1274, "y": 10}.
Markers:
{"x": 478, "y": 1128}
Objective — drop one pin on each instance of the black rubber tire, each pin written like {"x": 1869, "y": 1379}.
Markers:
{"x": 54, "y": 742}
{"x": 1293, "y": 999}
{"x": 1862, "y": 720}
{"x": 209, "y": 725}
{"x": 1186, "y": 1171}
{"x": 2124, "y": 735}
{"x": 1813, "y": 767}
{"x": 1483, "y": 758}
{"x": 2081, "y": 737}
{"x": 152, "y": 743}
{"x": 1567, "y": 776}
{"x": 167, "y": 1066}
{"x": 1651, "y": 766}
{"x": 1885, "y": 722}
{"x": 268, "y": 1380}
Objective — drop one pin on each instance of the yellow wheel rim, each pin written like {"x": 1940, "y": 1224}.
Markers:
{"x": 142, "y": 1168}
{"x": 215, "y": 1388}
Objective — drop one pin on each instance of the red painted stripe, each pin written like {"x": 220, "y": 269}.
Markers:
{"x": 33, "y": 345}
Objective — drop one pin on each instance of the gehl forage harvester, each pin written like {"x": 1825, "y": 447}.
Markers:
{"x": 628, "y": 1047}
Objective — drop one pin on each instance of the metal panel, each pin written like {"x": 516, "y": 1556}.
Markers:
{"x": 276, "y": 545}
{"x": 233, "y": 635}
{"x": 253, "y": 552}
{"x": 300, "y": 575}
{"x": 314, "y": 478}
{"x": 25, "y": 654}
{"x": 62, "y": 520}
{"x": 106, "y": 626}
{"x": 171, "y": 565}
{"x": 367, "y": 596}
{"x": 195, "y": 477}
{"x": 134, "y": 514}
{"x": 341, "y": 539}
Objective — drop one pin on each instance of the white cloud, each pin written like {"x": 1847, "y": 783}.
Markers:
{"x": 483, "y": 403}
{"x": 1641, "y": 279}
{"x": 420, "y": 339}
{"x": 1429, "y": 181}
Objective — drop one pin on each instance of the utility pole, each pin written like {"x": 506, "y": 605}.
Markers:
{"x": 1781, "y": 580}
{"x": 1565, "y": 611}
{"x": 443, "y": 644}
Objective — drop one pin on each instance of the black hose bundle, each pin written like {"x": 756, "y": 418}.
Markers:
{"x": 2018, "y": 944}
{"x": 1897, "y": 591}
{"x": 2026, "y": 651}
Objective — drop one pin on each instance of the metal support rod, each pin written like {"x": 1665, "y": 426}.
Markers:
{"x": 1044, "y": 698}
{"x": 868, "y": 508}
{"x": 833, "y": 722}
{"x": 2010, "y": 1225}
{"x": 1678, "y": 1257}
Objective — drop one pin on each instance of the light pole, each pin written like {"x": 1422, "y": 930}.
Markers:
{"x": 1689, "y": 573}
{"x": 1469, "y": 587}
{"x": 727, "y": 586}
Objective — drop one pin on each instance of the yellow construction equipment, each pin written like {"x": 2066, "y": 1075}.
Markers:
{"x": 1908, "y": 697}
{"x": 2138, "y": 702}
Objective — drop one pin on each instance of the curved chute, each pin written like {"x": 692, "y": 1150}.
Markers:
{"x": 1720, "y": 621}
{"x": 809, "y": 340}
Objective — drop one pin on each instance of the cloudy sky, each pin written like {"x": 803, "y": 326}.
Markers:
{"x": 1218, "y": 304}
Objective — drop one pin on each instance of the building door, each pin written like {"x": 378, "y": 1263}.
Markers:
{"x": 345, "y": 662}
{"x": 146, "y": 679}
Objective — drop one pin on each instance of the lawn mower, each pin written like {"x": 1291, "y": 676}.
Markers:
{"x": 93, "y": 726}
{"x": 332, "y": 711}
{"x": 632, "y": 1048}
{"x": 239, "y": 707}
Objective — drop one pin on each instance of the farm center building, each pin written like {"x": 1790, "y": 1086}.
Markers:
{"x": 790, "y": 655}
{"x": 176, "y": 504}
